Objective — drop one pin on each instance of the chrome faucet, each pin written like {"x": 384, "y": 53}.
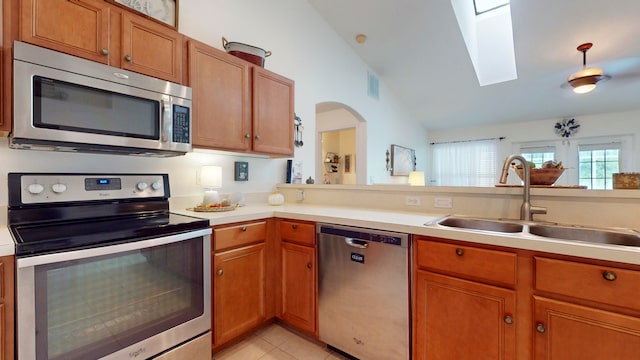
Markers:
{"x": 526, "y": 210}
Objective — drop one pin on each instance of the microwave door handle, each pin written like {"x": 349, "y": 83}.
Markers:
{"x": 167, "y": 126}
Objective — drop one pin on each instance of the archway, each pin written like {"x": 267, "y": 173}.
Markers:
{"x": 341, "y": 147}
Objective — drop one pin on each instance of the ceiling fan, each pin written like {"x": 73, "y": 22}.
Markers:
{"x": 584, "y": 81}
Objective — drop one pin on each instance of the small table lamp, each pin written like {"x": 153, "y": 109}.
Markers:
{"x": 416, "y": 178}
{"x": 211, "y": 178}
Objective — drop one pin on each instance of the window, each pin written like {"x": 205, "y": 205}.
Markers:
{"x": 466, "y": 163}
{"x": 597, "y": 163}
{"x": 483, "y": 6}
{"x": 538, "y": 155}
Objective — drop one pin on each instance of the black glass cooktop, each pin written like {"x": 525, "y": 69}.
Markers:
{"x": 50, "y": 237}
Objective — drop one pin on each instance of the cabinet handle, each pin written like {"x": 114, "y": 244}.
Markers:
{"x": 459, "y": 252}
{"x": 309, "y": 265}
{"x": 243, "y": 229}
{"x": 220, "y": 272}
{"x": 609, "y": 275}
{"x": 257, "y": 137}
{"x": 127, "y": 58}
{"x": 294, "y": 226}
{"x": 508, "y": 319}
{"x": 105, "y": 52}
{"x": 247, "y": 136}
{"x": 541, "y": 328}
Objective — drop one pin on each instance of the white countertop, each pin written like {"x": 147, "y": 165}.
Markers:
{"x": 406, "y": 222}
{"x": 414, "y": 223}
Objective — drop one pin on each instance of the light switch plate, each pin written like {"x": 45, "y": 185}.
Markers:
{"x": 241, "y": 172}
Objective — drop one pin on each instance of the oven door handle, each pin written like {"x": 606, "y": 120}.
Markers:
{"x": 111, "y": 249}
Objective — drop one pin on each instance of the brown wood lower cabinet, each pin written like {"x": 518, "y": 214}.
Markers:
{"x": 239, "y": 280}
{"x": 566, "y": 331}
{"x": 239, "y": 291}
{"x": 7, "y": 273}
{"x": 298, "y": 275}
{"x": 299, "y": 286}
{"x": 460, "y": 319}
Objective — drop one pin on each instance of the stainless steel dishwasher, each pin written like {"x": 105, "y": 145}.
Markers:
{"x": 363, "y": 295}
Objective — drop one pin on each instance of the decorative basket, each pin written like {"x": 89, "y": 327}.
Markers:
{"x": 541, "y": 176}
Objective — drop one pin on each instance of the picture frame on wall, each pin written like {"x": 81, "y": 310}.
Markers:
{"x": 347, "y": 163}
{"x": 163, "y": 11}
{"x": 402, "y": 160}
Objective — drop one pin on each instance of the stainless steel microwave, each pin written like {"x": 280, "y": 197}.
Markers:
{"x": 62, "y": 102}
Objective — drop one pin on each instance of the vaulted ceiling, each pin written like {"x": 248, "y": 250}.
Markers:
{"x": 417, "y": 50}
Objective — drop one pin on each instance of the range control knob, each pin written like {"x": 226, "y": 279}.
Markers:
{"x": 156, "y": 185}
{"x": 142, "y": 185}
{"x": 59, "y": 188}
{"x": 35, "y": 189}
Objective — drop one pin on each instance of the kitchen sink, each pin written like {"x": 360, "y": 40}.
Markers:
{"x": 548, "y": 230}
{"x": 481, "y": 224}
{"x": 601, "y": 236}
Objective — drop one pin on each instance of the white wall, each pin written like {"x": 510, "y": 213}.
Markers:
{"x": 609, "y": 124}
{"x": 304, "y": 49}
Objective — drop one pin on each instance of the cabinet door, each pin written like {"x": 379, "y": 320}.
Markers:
{"x": 7, "y": 336}
{"x": 221, "y": 99}
{"x": 79, "y": 27}
{"x": 299, "y": 286}
{"x": 238, "y": 291}
{"x": 566, "y": 331}
{"x": 459, "y": 319}
{"x": 272, "y": 113}
{"x": 151, "y": 48}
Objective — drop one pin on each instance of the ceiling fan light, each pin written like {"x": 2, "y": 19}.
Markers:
{"x": 583, "y": 89}
{"x": 586, "y": 72}
{"x": 585, "y": 84}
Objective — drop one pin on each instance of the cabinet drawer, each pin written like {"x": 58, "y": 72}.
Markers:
{"x": 609, "y": 285}
{"x": 239, "y": 235}
{"x": 490, "y": 265}
{"x": 297, "y": 232}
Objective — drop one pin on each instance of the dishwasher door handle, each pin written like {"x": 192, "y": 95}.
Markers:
{"x": 356, "y": 243}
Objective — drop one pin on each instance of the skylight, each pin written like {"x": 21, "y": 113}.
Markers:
{"x": 482, "y": 6}
{"x": 489, "y": 38}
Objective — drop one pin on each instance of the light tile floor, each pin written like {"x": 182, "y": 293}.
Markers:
{"x": 276, "y": 343}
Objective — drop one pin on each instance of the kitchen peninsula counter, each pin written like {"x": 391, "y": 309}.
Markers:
{"x": 401, "y": 221}
{"x": 414, "y": 223}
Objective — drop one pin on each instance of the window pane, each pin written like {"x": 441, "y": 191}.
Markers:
{"x": 485, "y": 5}
{"x": 597, "y": 166}
{"x": 539, "y": 158}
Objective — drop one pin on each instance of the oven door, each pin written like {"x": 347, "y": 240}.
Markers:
{"x": 131, "y": 300}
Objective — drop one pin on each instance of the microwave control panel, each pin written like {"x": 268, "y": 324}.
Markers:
{"x": 181, "y": 124}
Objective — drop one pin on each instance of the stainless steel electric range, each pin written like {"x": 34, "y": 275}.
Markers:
{"x": 104, "y": 270}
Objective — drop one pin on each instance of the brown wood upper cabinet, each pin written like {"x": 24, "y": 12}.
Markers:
{"x": 238, "y": 106}
{"x": 101, "y": 32}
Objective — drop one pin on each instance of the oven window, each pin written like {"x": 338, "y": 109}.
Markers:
{"x": 72, "y": 107}
{"x": 92, "y": 307}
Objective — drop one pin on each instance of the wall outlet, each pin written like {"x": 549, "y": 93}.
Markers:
{"x": 443, "y": 202}
{"x": 412, "y": 200}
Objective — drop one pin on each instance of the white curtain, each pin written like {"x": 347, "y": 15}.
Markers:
{"x": 465, "y": 163}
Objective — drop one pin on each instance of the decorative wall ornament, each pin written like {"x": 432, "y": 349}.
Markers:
{"x": 165, "y": 11}
{"x": 402, "y": 160}
{"x": 567, "y": 127}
